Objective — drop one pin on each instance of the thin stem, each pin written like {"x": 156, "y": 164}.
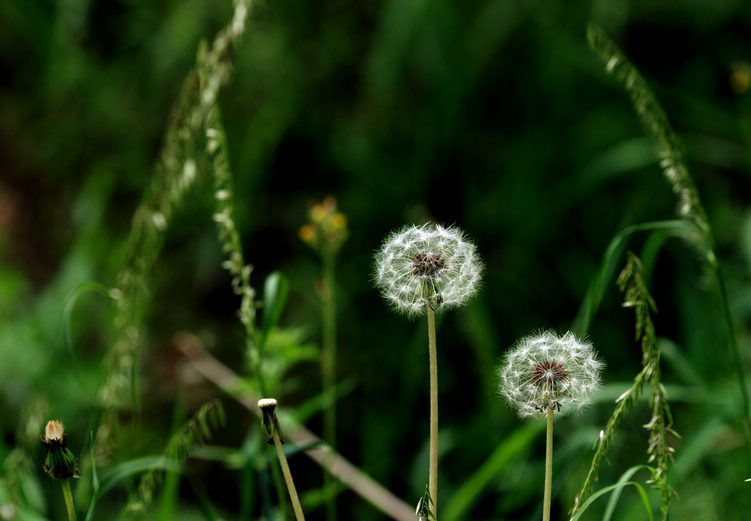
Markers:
{"x": 279, "y": 486}
{"x": 433, "y": 472}
{"x": 288, "y": 477}
{"x": 548, "y": 467}
{"x": 65, "y": 483}
{"x": 734, "y": 351}
{"x": 328, "y": 371}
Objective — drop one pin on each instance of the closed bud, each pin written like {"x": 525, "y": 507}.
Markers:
{"x": 269, "y": 421}
{"x": 60, "y": 462}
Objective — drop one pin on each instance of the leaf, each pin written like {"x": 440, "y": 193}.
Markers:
{"x": 136, "y": 466}
{"x": 506, "y": 451}
{"x": 611, "y": 260}
{"x": 617, "y": 489}
{"x": 275, "y": 290}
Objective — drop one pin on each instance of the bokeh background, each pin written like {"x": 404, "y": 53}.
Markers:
{"x": 491, "y": 115}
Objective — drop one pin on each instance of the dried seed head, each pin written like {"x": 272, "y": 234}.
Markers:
{"x": 269, "y": 421}
{"x": 421, "y": 266}
{"x": 545, "y": 371}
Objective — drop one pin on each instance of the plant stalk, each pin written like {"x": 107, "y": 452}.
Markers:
{"x": 548, "y": 468}
{"x": 328, "y": 372}
{"x": 433, "y": 471}
{"x": 65, "y": 484}
{"x": 288, "y": 477}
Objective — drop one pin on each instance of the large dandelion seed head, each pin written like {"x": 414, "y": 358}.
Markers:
{"x": 427, "y": 266}
{"x": 546, "y": 371}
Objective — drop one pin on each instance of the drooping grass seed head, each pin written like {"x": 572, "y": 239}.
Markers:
{"x": 545, "y": 371}
{"x": 427, "y": 266}
{"x": 60, "y": 462}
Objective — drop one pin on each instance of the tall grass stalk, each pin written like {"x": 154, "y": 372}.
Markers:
{"x": 328, "y": 369}
{"x": 675, "y": 170}
{"x": 631, "y": 281}
{"x": 175, "y": 172}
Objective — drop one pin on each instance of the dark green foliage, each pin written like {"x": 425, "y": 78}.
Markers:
{"x": 495, "y": 116}
{"x": 197, "y": 431}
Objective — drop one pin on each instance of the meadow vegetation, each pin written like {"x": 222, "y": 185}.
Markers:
{"x": 206, "y": 204}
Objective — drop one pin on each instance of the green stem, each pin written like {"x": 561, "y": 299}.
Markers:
{"x": 328, "y": 372}
{"x": 433, "y": 472}
{"x": 65, "y": 483}
{"x": 279, "y": 487}
{"x": 548, "y": 468}
{"x": 734, "y": 351}
{"x": 288, "y": 477}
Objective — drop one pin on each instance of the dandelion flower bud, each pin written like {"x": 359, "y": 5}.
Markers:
{"x": 544, "y": 371}
{"x": 421, "y": 266}
{"x": 269, "y": 421}
{"x": 60, "y": 462}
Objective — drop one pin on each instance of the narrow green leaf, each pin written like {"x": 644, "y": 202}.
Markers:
{"x": 275, "y": 290}
{"x": 618, "y": 487}
{"x": 136, "y": 466}
{"x": 470, "y": 491}
{"x": 611, "y": 261}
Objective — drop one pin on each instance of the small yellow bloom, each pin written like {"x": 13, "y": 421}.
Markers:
{"x": 307, "y": 233}
{"x": 326, "y": 230}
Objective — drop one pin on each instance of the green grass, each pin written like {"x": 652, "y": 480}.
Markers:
{"x": 159, "y": 160}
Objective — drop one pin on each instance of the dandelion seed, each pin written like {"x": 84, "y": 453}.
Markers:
{"x": 160, "y": 223}
{"x": 545, "y": 371}
{"x": 427, "y": 266}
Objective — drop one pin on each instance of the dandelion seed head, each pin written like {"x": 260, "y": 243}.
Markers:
{"x": 429, "y": 265}
{"x": 545, "y": 371}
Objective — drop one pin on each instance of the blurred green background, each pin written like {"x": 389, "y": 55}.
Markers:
{"x": 492, "y": 115}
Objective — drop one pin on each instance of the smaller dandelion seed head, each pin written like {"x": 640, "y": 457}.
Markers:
{"x": 545, "y": 371}
{"x": 427, "y": 266}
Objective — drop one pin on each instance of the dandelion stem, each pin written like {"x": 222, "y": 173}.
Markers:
{"x": 548, "y": 467}
{"x": 288, "y": 477}
{"x": 328, "y": 370}
{"x": 65, "y": 484}
{"x": 433, "y": 472}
